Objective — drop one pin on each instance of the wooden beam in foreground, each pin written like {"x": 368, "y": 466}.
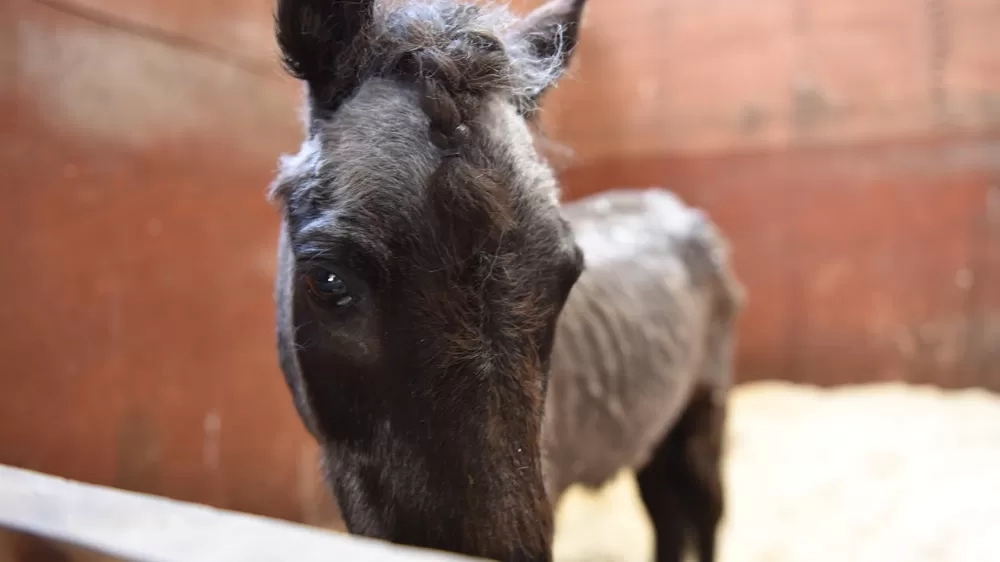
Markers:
{"x": 148, "y": 528}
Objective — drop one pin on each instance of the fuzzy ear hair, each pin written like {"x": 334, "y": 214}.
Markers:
{"x": 316, "y": 38}
{"x": 550, "y": 33}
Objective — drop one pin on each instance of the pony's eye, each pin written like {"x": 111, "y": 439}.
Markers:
{"x": 329, "y": 287}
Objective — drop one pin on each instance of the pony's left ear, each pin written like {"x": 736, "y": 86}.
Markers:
{"x": 317, "y": 38}
{"x": 550, "y": 34}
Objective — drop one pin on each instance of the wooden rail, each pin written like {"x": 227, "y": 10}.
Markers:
{"x": 146, "y": 528}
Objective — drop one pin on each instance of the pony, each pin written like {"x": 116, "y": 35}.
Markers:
{"x": 423, "y": 265}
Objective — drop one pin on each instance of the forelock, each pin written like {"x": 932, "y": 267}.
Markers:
{"x": 465, "y": 49}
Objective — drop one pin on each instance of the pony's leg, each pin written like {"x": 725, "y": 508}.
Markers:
{"x": 701, "y": 483}
{"x": 663, "y": 503}
{"x": 682, "y": 485}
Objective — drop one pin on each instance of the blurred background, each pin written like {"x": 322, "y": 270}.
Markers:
{"x": 849, "y": 149}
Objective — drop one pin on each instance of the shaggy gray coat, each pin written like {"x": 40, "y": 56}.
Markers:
{"x": 650, "y": 322}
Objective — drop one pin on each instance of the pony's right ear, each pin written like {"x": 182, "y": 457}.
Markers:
{"x": 317, "y": 38}
{"x": 551, "y": 33}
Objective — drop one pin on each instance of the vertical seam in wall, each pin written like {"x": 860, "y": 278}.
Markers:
{"x": 984, "y": 310}
{"x": 983, "y": 238}
{"x": 796, "y": 317}
{"x": 939, "y": 50}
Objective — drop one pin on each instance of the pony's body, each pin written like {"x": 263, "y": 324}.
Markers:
{"x": 640, "y": 334}
{"x": 645, "y": 339}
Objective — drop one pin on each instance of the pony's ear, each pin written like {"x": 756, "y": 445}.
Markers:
{"x": 317, "y": 38}
{"x": 550, "y": 34}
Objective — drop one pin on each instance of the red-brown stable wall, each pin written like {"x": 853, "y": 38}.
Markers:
{"x": 850, "y": 151}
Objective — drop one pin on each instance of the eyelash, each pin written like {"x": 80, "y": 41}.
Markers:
{"x": 345, "y": 259}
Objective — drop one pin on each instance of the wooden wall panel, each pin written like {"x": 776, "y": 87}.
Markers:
{"x": 714, "y": 76}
